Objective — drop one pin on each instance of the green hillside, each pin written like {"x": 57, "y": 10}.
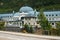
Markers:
{"x": 10, "y": 5}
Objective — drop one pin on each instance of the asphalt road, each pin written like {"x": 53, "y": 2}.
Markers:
{"x": 7, "y": 36}
{"x": 4, "y": 36}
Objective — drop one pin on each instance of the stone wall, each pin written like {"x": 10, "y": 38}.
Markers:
{"x": 15, "y": 29}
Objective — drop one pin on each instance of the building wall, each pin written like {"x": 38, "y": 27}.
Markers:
{"x": 31, "y": 21}
{"x": 53, "y": 17}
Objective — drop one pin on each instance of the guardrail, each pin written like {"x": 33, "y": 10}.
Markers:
{"x": 32, "y": 35}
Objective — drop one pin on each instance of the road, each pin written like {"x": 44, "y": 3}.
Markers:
{"x": 7, "y": 36}
{"x": 15, "y": 37}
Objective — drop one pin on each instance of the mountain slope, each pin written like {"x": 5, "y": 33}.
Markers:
{"x": 10, "y": 5}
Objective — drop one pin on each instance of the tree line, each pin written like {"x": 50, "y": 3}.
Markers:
{"x": 10, "y": 5}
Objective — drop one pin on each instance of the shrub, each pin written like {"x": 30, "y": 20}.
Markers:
{"x": 1, "y": 25}
{"x": 28, "y": 28}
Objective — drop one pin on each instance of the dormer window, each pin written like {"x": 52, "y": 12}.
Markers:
{"x": 56, "y": 15}
{"x": 52, "y": 14}
{"x": 49, "y": 15}
{"x": 46, "y": 15}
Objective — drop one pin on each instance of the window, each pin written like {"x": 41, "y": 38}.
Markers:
{"x": 49, "y": 18}
{"x": 52, "y": 18}
{"x": 10, "y": 22}
{"x": 22, "y": 17}
{"x": 29, "y": 18}
{"x": 34, "y": 23}
{"x": 52, "y": 23}
{"x": 46, "y": 15}
{"x": 49, "y": 15}
{"x": 29, "y": 23}
{"x": 52, "y": 14}
{"x": 10, "y": 16}
{"x": 56, "y": 15}
{"x": 22, "y": 22}
{"x": 25, "y": 18}
{"x": 37, "y": 22}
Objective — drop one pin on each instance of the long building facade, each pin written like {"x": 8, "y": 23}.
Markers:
{"x": 27, "y": 15}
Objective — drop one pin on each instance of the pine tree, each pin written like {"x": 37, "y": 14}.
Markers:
{"x": 45, "y": 25}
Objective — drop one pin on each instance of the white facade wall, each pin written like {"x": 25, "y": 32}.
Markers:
{"x": 32, "y": 21}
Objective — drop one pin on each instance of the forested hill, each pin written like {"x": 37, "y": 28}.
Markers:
{"x": 10, "y": 5}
